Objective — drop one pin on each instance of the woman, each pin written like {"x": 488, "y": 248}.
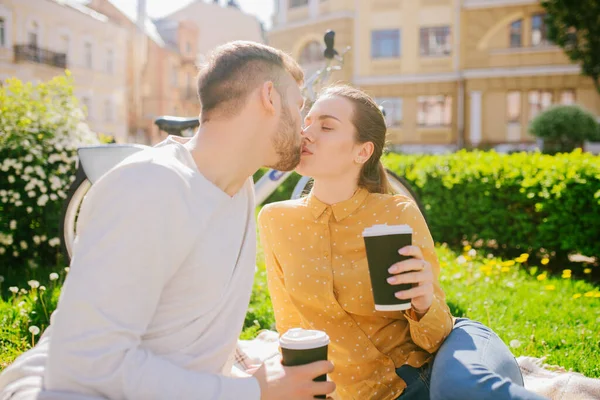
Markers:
{"x": 318, "y": 276}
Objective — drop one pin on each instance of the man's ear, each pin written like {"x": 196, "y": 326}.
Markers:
{"x": 365, "y": 152}
{"x": 269, "y": 97}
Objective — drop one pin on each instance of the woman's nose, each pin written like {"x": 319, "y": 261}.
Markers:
{"x": 306, "y": 133}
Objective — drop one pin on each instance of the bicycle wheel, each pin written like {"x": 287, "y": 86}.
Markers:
{"x": 70, "y": 210}
{"x": 399, "y": 186}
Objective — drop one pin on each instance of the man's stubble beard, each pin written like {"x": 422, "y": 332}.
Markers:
{"x": 287, "y": 146}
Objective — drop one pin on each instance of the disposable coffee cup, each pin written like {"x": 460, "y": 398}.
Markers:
{"x": 382, "y": 243}
{"x": 302, "y": 346}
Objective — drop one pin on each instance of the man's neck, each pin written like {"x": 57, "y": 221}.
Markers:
{"x": 220, "y": 158}
{"x": 332, "y": 191}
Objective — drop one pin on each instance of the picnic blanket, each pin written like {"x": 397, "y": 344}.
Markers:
{"x": 23, "y": 380}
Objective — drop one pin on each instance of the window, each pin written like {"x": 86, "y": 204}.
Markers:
{"x": 87, "y": 53}
{"x": 64, "y": 44}
{"x": 385, "y": 43}
{"x": 567, "y": 97}
{"x": 393, "y": 110}
{"x": 435, "y": 41}
{"x": 32, "y": 35}
{"x": 539, "y": 34}
{"x": 516, "y": 33}
{"x": 2, "y": 32}
{"x": 298, "y": 3}
{"x": 539, "y": 100}
{"x": 108, "y": 111}
{"x": 174, "y": 80}
{"x": 434, "y": 111}
{"x": 188, "y": 86}
{"x": 312, "y": 52}
{"x": 513, "y": 107}
{"x": 110, "y": 60}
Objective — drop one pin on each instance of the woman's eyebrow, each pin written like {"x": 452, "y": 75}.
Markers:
{"x": 325, "y": 116}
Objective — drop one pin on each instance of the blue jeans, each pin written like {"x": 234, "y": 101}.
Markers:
{"x": 472, "y": 363}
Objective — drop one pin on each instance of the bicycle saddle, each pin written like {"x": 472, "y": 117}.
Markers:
{"x": 98, "y": 160}
{"x": 174, "y": 125}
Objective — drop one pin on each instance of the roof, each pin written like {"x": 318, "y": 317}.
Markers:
{"x": 83, "y": 9}
{"x": 131, "y": 14}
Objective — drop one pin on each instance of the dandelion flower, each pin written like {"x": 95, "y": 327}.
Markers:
{"x": 542, "y": 276}
{"x": 472, "y": 253}
{"x": 467, "y": 248}
{"x": 67, "y": 269}
{"x": 549, "y": 287}
{"x": 34, "y": 330}
{"x": 53, "y": 276}
{"x": 589, "y": 294}
{"x": 566, "y": 274}
{"x": 13, "y": 224}
{"x": 577, "y": 295}
{"x": 504, "y": 269}
{"x": 587, "y": 271}
{"x": 545, "y": 261}
{"x": 34, "y": 284}
{"x": 461, "y": 260}
{"x": 508, "y": 263}
{"x": 515, "y": 343}
{"x": 14, "y": 289}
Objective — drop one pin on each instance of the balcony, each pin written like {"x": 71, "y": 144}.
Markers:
{"x": 25, "y": 52}
{"x": 188, "y": 59}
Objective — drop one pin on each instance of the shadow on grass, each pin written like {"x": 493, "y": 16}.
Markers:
{"x": 456, "y": 310}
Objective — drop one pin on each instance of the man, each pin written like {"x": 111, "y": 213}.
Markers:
{"x": 163, "y": 265}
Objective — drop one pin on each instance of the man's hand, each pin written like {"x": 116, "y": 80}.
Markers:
{"x": 292, "y": 383}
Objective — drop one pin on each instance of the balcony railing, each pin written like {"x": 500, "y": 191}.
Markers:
{"x": 26, "y": 52}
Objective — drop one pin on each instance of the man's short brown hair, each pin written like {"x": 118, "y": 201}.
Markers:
{"x": 236, "y": 69}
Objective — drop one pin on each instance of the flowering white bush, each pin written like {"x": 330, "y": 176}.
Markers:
{"x": 41, "y": 127}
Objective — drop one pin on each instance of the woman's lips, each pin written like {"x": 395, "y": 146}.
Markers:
{"x": 306, "y": 151}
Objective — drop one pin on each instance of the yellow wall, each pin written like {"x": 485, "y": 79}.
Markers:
{"x": 293, "y": 40}
{"x": 483, "y": 58}
{"x": 495, "y": 90}
{"x": 408, "y": 16}
{"x": 410, "y": 132}
{"x": 486, "y": 34}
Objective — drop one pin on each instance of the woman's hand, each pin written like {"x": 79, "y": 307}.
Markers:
{"x": 417, "y": 271}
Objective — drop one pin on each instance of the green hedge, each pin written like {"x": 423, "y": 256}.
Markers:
{"x": 549, "y": 205}
{"x": 546, "y": 205}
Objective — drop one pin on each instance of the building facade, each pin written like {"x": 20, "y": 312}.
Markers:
{"x": 450, "y": 73}
{"x": 39, "y": 39}
{"x": 164, "y": 54}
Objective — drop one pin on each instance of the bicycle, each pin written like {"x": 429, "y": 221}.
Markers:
{"x": 95, "y": 161}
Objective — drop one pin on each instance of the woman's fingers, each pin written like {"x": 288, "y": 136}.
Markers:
{"x": 412, "y": 264}
{"x": 416, "y": 291}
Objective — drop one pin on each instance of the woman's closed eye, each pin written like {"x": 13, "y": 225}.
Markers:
{"x": 326, "y": 128}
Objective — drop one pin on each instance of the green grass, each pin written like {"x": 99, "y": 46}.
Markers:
{"x": 536, "y": 314}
